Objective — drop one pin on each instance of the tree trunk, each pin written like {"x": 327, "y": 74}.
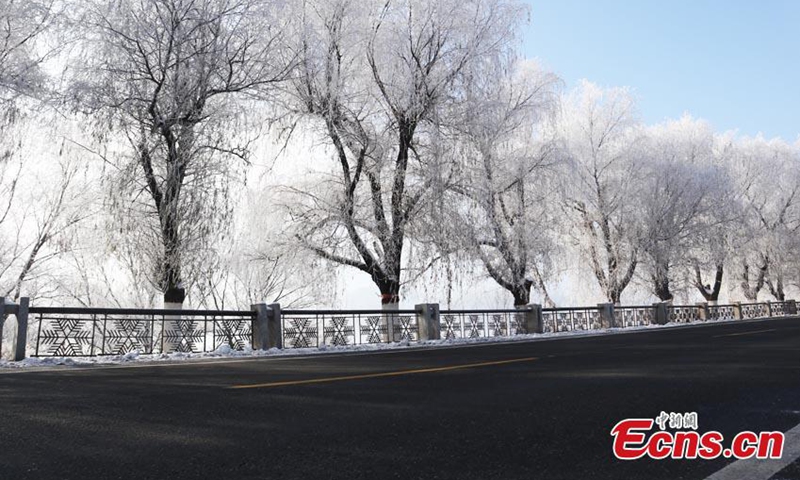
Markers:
{"x": 522, "y": 293}
{"x": 388, "y": 284}
{"x": 709, "y": 293}
{"x": 751, "y": 292}
{"x": 171, "y": 282}
{"x": 662, "y": 290}
{"x": 776, "y": 289}
{"x": 166, "y": 199}
{"x": 614, "y": 296}
{"x": 390, "y": 303}
{"x": 390, "y": 296}
{"x": 661, "y": 283}
{"x": 174, "y": 296}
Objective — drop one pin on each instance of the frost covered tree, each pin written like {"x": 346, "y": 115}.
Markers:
{"x": 41, "y": 201}
{"x": 712, "y": 247}
{"x": 236, "y": 275}
{"x": 23, "y": 25}
{"x": 39, "y": 191}
{"x": 498, "y": 206}
{"x": 683, "y": 200}
{"x": 167, "y": 81}
{"x": 379, "y": 78}
{"x": 258, "y": 263}
{"x": 99, "y": 273}
{"x": 602, "y": 183}
{"x": 768, "y": 174}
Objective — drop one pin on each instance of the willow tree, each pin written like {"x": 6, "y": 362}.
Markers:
{"x": 497, "y": 208}
{"x": 683, "y": 201}
{"x": 766, "y": 172}
{"x": 23, "y": 26}
{"x": 39, "y": 197}
{"x": 601, "y": 187}
{"x": 380, "y": 79}
{"x": 170, "y": 79}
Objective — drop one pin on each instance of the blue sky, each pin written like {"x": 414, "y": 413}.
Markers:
{"x": 735, "y": 63}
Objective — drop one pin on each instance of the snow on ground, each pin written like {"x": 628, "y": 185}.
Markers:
{"x": 227, "y": 352}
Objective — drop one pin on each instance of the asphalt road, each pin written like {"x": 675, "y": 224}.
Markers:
{"x": 527, "y": 410}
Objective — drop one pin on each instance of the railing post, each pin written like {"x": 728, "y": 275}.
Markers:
{"x": 790, "y": 308}
{"x": 606, "y": 315}
{"x": 661, "y": 316}
{"x": 533, "y": 319}
{"x": 267, "y": 326}
{"x": 3, "y": 317}
{"x": 702, "y": 311}
{"x": 428, "y": 321}
{"x": 260, "y": 330}
{"x": 20, "y": 342}
{"x": 737, "y": 310}
{"x": 769, "y": 309}
{"x": 22, "y": 328}
{"x": 274, "y": 337}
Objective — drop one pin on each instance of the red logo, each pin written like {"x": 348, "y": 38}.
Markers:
{"x": 634, "y": 439}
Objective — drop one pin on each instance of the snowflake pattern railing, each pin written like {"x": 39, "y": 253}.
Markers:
{"x": 569, "y": 319}
{"x": 481, "y": 323}
{"x": 777, "y": 309}
{"x": 315, "y": 328}
{"x": 69, "y": 332}
{"x": 97, "y": 331}
{"x": 721, "y": 312}
{"x": 754, "y": 310}
{"x": 683, "y": 314}
{"x": 634, "y": 316}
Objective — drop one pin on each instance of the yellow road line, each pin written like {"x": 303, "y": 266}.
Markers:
{"x": 383, "y": 374}
{"x": 745, "y": 333}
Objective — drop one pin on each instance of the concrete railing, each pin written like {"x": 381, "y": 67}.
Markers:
{"x": 53, "y": 331}
{"x": 13, "y": 340}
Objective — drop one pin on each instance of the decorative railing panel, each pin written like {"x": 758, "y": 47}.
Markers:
{"x": 67, "y": 332}
{"x": 405, "y": 328}
{"x": 683, "y": 314}
{"x": 315, "y": 328}
{"x": 461, "y": 325}
{"x": 300, "y": 332}
{"x": 481, "y": 323}
{"x": 721, "y": 312}
{"x": 98, "y": 331}
{"x": 754, "y": 310}
{"x": 634, "y": 316}
{"x": 569, "y": 319}
{"x": 373, "y": 329}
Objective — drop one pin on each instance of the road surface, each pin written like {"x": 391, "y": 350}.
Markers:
{"x": 527, "y": 410}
